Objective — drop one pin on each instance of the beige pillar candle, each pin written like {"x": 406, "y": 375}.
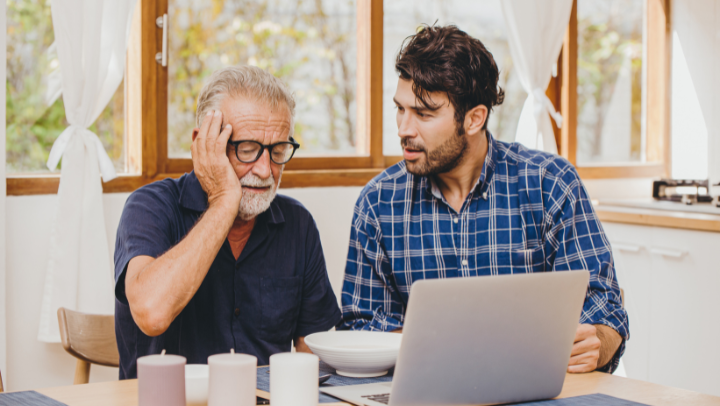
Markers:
{"x": 233, "y": 380}
{"x": 294, "y": 379}
{"x": 161, "y": 380}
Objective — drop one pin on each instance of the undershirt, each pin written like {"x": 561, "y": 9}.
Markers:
{"x": 239, "y": 236}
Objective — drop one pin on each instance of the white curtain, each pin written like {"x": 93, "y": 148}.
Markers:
{"x": 3, "y": 189}
{"x": 91, "y": 39}
{"x": 695, "y": 90}
{"x": 535, "y": 34}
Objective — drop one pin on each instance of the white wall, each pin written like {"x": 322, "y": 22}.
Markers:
{"x": 32, "y": 364}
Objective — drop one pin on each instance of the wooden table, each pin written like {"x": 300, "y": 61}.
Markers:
{"x": 124, "y": 393}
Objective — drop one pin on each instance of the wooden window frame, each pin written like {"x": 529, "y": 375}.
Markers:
{"x": 146, "y": 100}
{"x": 563, "y": 92}
{"x": 146, "y": 116}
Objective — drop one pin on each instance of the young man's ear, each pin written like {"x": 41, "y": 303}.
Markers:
{"x": 196, "y": 131}
{"x": 475, "y": 119}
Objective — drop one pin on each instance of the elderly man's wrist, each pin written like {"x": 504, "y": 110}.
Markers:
{"x": 225, "y": 202}
{"x": 223, "y": 211}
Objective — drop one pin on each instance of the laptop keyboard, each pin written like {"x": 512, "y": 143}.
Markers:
{"x": 383, "y": 398}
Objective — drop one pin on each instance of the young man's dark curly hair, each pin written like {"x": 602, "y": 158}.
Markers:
{"x": 446, "y": 59}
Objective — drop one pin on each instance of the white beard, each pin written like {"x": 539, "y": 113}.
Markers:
{"x": 253, "y": 204}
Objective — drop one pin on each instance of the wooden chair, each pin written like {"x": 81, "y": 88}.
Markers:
{"x": 2, "y": 389}
{"x": 90, "y": 338}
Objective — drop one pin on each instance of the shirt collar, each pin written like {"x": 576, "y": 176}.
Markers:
{"x": 193, "y": 197}
{"x": 485, "y": 176}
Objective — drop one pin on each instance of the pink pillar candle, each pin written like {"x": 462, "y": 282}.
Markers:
{"x": 161, "y": 380}
{"x": 233, "y": 380}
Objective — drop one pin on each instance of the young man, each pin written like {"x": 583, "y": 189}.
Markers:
{"x": 215, "y": 260}
{"x": 463, "y": 204}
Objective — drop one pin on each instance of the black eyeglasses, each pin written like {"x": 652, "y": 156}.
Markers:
{"x": 247, "y": 151}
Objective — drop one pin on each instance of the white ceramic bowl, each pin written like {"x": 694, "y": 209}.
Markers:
{"x": 357, "y": 354}
{"x": 196, "y": 384}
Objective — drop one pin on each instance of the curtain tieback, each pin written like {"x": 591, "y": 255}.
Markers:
{"x": 107, "y": 169}
{"x": 542, "y": 102}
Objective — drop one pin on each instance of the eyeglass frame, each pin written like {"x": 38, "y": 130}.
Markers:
{"x": 263, "y": 147}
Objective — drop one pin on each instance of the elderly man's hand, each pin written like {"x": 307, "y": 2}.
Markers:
{"x": 212, "y": 166}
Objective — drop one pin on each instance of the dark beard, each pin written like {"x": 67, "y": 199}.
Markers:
{"x": 444, "y": 158}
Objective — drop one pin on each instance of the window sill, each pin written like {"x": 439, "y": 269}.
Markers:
{"x": 22, "y": 185}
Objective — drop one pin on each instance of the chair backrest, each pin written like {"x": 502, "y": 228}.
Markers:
{"x": 89, "y": 337}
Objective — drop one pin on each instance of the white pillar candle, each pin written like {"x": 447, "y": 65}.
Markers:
{"x": 161, "y": 380}
{"x": 196, "y": 385}
{"x": 233, "y": 380}
{"x": 294, "y": 379}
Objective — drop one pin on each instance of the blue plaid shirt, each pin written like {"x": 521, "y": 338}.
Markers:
{"x": 528, "y": 212}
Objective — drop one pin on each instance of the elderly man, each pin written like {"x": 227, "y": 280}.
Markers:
{"x": 463, "y": 204}
{"x": 216, "y": 260}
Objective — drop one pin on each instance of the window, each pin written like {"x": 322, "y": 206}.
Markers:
{"x": 338, "y": 57}
{"x": 481, "y": 19}
{"x": 34, "y": 108}
{"x": 609, "y": 81}
{"x": 613, "y": 88}
{"x": 311, "y": 46}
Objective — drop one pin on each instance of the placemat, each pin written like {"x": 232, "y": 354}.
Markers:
{"x": 595, "y": 399}
{"x": 27, "y": 398}
{"x": 263, "y": 380}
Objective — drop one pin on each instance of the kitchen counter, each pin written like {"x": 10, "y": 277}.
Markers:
{"x": 650, "y": 212}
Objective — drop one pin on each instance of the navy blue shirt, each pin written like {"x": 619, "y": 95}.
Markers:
{"x": 276, "y": 290}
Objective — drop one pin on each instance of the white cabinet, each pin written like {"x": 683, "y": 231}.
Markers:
{"x": 671, "y": 279}
{"x": 686, "y": 308}
{"x": 632, "y": 264}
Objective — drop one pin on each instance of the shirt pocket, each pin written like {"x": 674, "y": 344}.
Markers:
{"x": 521, "y": 261}
{"x": 280, "y": 302}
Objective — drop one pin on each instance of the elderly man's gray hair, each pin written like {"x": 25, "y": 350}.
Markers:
{"x": 246, "y": 81}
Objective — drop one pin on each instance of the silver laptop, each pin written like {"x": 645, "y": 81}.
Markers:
{"x": 481, "y": 341}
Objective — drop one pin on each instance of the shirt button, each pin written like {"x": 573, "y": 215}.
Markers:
{"x": 237, "y": 311}
{"x": 455, "y": 220}
{"x": 464, "y": 262}
{"x": 485, "y": 195}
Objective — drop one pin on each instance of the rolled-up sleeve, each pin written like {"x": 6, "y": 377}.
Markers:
{"x": 575, "y": 240}
{"x": 146, "y": 228}
{"x": 369, "y": 301}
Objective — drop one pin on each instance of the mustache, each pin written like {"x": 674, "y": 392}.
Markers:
{"x": 255, "y": 181}
{"x": 405, "y": 143}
